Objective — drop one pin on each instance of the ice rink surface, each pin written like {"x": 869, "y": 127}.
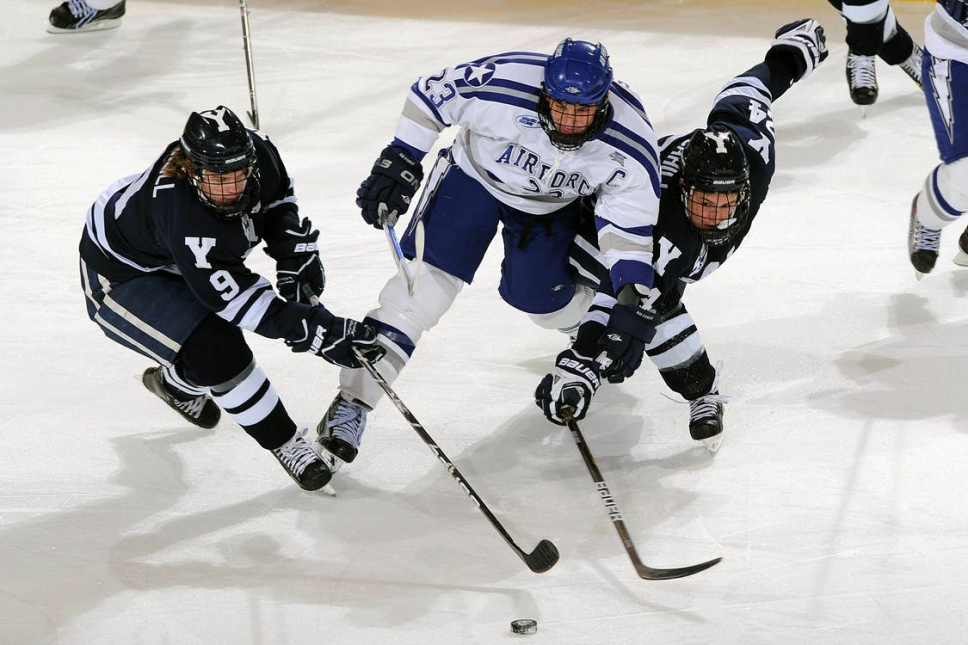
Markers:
{"x": 837, "y": 501}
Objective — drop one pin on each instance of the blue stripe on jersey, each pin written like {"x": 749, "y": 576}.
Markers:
{"x": 643, "y": 231}
{"x": 430, "y": 106}
{"x": 636, "y": 152}
{"x": 628, "y": 97}
{"x": 503, "y": 83}
{"x": 630, "y": 272}
{"x": 517, "y": 101}
{"x": 522, "y": 58}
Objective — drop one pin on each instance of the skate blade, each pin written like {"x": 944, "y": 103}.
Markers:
{"x": 329, "y": 490}
{"x": 331, "y": 461}
{"x": 961, "y": 259}
{"x": 919, "y": 275}
{"x": 712, "y": 443}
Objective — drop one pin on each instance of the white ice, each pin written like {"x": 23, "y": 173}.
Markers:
{"x": 837, "y": 500}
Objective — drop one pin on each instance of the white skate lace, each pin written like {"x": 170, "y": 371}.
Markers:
{"x": 927, "y": 238}
{"x": 296, "y": 454}
{"x": 862, "y": 72}
{"x": 706, "y": 406}
{"x": 192, "y": 407}
{"x": 79, "y": 8}
{"x": 347, "y": 423}
{"x": 912, "y": 66}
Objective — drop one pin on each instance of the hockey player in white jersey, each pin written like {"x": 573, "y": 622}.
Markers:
{"x": 944, "y": 196}
{"x": 714, "y": 180}
{"x": 535, "y": 134}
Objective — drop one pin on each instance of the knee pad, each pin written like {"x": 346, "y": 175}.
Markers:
{"x": 945, "y": 194}
{"x": 216, "y": 352}
{"x": 402, "y": 319}
{"x": 567, "y": 318}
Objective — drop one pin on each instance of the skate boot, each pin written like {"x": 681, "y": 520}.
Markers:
{"x": 861, "y": 79}
{"x": 912, "y": 66}
{"x": 340, "y": 432}
{"x": 302, "y": 463}
{"x": 197, "y": 409}
{"x": 76, "y": 16}
{"x": 923, "y": 243}
{"x": 962, "y": 258}
{"x": 706, "y": 420}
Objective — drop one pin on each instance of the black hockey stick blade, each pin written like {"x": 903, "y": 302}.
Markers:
{"x": 614, "y": 514}
{"x": 648, "y": 573}
{"x": 544, "y": 556}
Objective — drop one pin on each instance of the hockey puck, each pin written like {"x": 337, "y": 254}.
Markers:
{"x": 524, "y": 626}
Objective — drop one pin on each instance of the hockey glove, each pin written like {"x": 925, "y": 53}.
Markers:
{"x": 805, "y": 41}
{"x": 622, "y": 344}
{"x": 571, "y": 384}
{"x": 299, "y": 271}
{"x": 334, "y": 339}
{"x": 395, "y": 177}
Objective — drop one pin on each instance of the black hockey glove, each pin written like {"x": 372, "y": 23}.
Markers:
{"x": 386, "y": 194}
{"x": 299, "y": 271}
{"x": 571, "y": 384}
{"x": 803, "y": 39}
{"x": 622, "y": 344}
{"x": 334, "y": 339}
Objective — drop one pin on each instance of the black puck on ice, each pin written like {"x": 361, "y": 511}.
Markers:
{"x": 524, "y": 626}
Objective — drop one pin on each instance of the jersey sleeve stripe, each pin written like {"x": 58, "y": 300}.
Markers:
{"x": 247, "y": 309}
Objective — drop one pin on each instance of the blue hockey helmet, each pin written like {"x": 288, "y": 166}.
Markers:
{"x": 216, "y": 142}
{"x": 576, "y": 78}
{"x": 578, "y": 72}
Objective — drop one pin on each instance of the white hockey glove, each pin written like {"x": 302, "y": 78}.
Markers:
{"x": 571, "y": 384}
{"x": 805, "y": 40}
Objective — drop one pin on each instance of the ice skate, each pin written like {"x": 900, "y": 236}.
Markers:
{"x": 962, "y": 258}
{"x": 76, "y": 16}
{"x": 199, "y": 410}
{"x": 912, "y": 65}
{"x": 923, "y": 243}
{"x": 340, "y": 433}
{"x": 861, "y": 79}
{"x": 302, "y": 463}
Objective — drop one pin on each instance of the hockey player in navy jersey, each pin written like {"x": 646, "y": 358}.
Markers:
{"x": 944, "y": 196}
{"x": 163, "y": 270}
{"x": 714, "y": 181}
{"x": 535, "y": 134}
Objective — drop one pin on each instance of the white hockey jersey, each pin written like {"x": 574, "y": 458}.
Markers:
{"x": 501, "y": 144}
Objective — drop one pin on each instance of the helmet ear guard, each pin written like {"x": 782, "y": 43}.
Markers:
{"x": 216, "y": 141}
{"x": 714, "y": 161}
{"x": 578, "y": 72}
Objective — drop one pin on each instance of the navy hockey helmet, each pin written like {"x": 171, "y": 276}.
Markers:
{"x": 714, "y": 162}
{"x": 217, "y": 143}
{"x": 578, "y": 73}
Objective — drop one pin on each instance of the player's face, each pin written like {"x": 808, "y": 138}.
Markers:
{"x": 224, "y": 189}
{"x": 709, "y": 210}
{"x": 571, "y": 118}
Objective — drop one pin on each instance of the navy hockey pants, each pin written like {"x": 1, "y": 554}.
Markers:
{"x": 461, "y": 218}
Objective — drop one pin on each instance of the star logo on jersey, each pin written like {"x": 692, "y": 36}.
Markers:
{"x": 478, "y": 75}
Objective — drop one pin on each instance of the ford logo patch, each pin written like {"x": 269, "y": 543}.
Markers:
{"x": 528, "y": 121}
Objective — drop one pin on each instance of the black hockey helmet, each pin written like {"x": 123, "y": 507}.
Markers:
{"x": 578, "y": 73}
{"x": 216, "y": 142}
{"x": 713, "y": 161}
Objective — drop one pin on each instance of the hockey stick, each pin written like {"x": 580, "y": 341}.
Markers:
{"x": 410, "y": 280}
{"x": 614, "y": 514}
{"x": 545, "y": 554}
{"x": 249, "y": 64}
